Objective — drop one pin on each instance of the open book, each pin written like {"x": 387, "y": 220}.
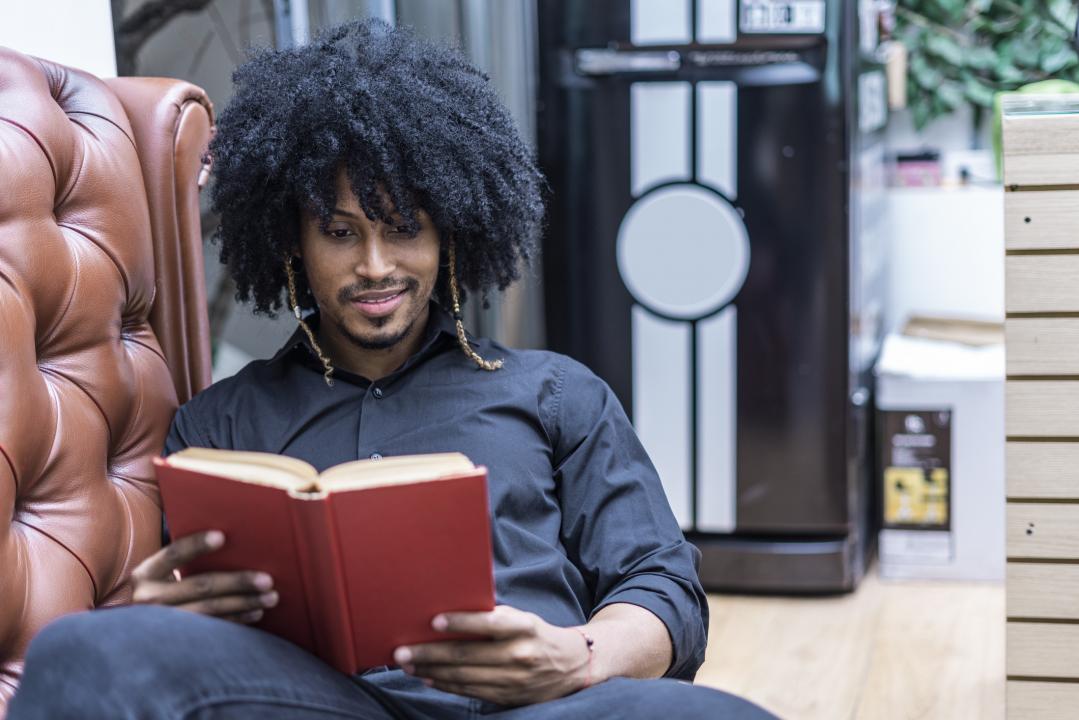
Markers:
{"x": 363, "y": 556}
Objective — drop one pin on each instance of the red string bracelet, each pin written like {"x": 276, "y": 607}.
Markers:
{"x": 589, "y": 642}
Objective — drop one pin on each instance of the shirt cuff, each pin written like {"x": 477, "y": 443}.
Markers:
{"x": 684, "y": 624}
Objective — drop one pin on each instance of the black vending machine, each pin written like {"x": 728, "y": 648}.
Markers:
{"x": 714, "y": 253}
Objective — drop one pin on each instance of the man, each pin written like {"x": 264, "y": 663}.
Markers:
{"x": 371, "y": 177}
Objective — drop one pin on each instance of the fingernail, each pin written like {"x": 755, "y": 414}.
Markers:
{"x": 428, "y": 682}
{"x": 439, "y": 623}
{"x": 253, "y": 616}
{"x": 402, "y": 655}
{"x": 268, "y": 599}
{"x": 215, "y": 538}
{"x": 263, "y": 581}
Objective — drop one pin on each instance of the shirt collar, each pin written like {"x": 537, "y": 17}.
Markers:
{"x": 439, "y": 324}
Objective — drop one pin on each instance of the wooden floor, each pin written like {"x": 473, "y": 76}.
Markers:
{"x": 891, "y": 651}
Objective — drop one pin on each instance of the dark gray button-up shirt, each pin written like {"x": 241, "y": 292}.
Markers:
{"x": 579, "y": 519}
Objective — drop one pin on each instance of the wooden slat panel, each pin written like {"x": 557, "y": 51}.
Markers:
{"x": 1041, "y": 283}
{"x": 1041, "y": 134}
{"x": 1042, "y": 151}
{"x": 1054, "y": 220}
{"x": 1043, "y": 469}
{"x": 1043, "y": 591}
{"x": 1033, "y": 170}
{"x": 1042, "y": 700}
{"x": 1042, "y": 346}
{"x": 1043, "y": 530}
{"x": 1044, "y": 650}
{"x": 1037, "y": 408}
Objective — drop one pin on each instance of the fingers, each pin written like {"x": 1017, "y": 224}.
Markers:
{"x": 161, "y": 564}
{"x": 201, "y": 587}
{"x": 468, "y": 653}
{"x": 230, "y": 605}
{"x": 474, "y": 675}
{"x": 502, "y": 623}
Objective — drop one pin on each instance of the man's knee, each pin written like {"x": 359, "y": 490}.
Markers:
{"x": 105, "y": 648}
{"x": 81, "y": 656}
{"x": 119, "y": 632}
{"x": 672, "y": 698}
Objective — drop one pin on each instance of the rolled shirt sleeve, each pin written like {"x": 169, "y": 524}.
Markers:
{"x": 617, "y": 524}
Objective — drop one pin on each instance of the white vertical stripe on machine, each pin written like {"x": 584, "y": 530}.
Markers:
{"x": 717, "y": 136}
{"x": 717, "y": 418}
{"x": 659, "y": 134}
{"x": 661, "y": 403}
{"x": 717, "y": 21}
{"x": 660, "y": 22}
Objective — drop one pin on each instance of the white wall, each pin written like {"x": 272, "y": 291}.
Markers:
{"x": 946, "y": 253}
{"x": 70, "y": 32}
{"x": 946, "y": 244}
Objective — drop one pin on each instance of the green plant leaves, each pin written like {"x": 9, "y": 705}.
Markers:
{"x": 978, "y": 93}
{"x": 980, "y": 58}
{"x": 1058, "y": 60}
{"x": 944, "y": 47}
{"x": 951, "y": 95}
{"x": 964, "y": 52}
{"x": 923, "y": 73}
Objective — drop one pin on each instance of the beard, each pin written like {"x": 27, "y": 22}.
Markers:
{"x": 412, "y": 306}
{"x": 378, "y": 342}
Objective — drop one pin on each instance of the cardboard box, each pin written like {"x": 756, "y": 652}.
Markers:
{"x": 940, "y": 421}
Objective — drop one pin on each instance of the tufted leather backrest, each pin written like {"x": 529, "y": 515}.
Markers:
{"x": 103, "y": 329}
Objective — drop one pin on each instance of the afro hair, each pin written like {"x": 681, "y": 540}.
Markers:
{"x": 413, "y": 124}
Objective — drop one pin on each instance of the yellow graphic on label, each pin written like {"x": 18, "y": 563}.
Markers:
{"x": 911, "y": 497}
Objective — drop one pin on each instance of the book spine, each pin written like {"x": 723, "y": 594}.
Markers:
{"x": 324, "y": 582}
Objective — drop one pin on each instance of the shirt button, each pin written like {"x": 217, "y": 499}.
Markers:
{"x": 377, "y": 393}
{"x": 376, "y": 456}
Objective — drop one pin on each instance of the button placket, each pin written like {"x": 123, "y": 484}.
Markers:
{"x": 374, "y": 393}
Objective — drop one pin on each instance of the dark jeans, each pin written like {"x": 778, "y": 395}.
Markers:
{"x": 154, "y": 662}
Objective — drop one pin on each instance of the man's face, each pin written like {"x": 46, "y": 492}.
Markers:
{"x": 372, "y": 280}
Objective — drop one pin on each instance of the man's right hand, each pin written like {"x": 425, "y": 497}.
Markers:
{"x": 238, "y": 596}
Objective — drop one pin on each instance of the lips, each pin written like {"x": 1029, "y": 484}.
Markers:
{"x": 374, "y": 296}
{"x": 378, "y": 303}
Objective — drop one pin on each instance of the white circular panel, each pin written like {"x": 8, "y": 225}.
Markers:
{"x": 683, "y": 251}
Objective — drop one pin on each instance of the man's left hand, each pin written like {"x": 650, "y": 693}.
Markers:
{"x": 524, "y": 661}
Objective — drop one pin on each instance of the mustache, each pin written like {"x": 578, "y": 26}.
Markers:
{"x": 348, "y": 292}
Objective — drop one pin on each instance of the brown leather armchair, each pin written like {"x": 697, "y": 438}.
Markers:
{"x": 103, "y": 329}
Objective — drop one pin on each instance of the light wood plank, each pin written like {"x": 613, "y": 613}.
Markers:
{"x": 1042, "y": 408}
{"x": 1048, "y": 591}
{"x": 942, "y": 657}
{"x": 1034, "y": 170}
{"x": 1041, "y": 283}
{"x": 1053, "y": 220}
{"x": 890, "y": 651}
{"x": 1042, "y": 346}
{"x": 1040, "y": 134}
{"x": 1043, "y": 650}
{"x": 1043, "y": 530}
{"x": 1042, "y": 700}
{"x": 1042, "y": 469}
{"x": 782, "y": 652}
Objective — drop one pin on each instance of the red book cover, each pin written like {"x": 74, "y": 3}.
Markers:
{"x": 359, "y": 572}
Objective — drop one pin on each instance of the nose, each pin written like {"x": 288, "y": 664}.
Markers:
{"x": 375, "y": 262}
